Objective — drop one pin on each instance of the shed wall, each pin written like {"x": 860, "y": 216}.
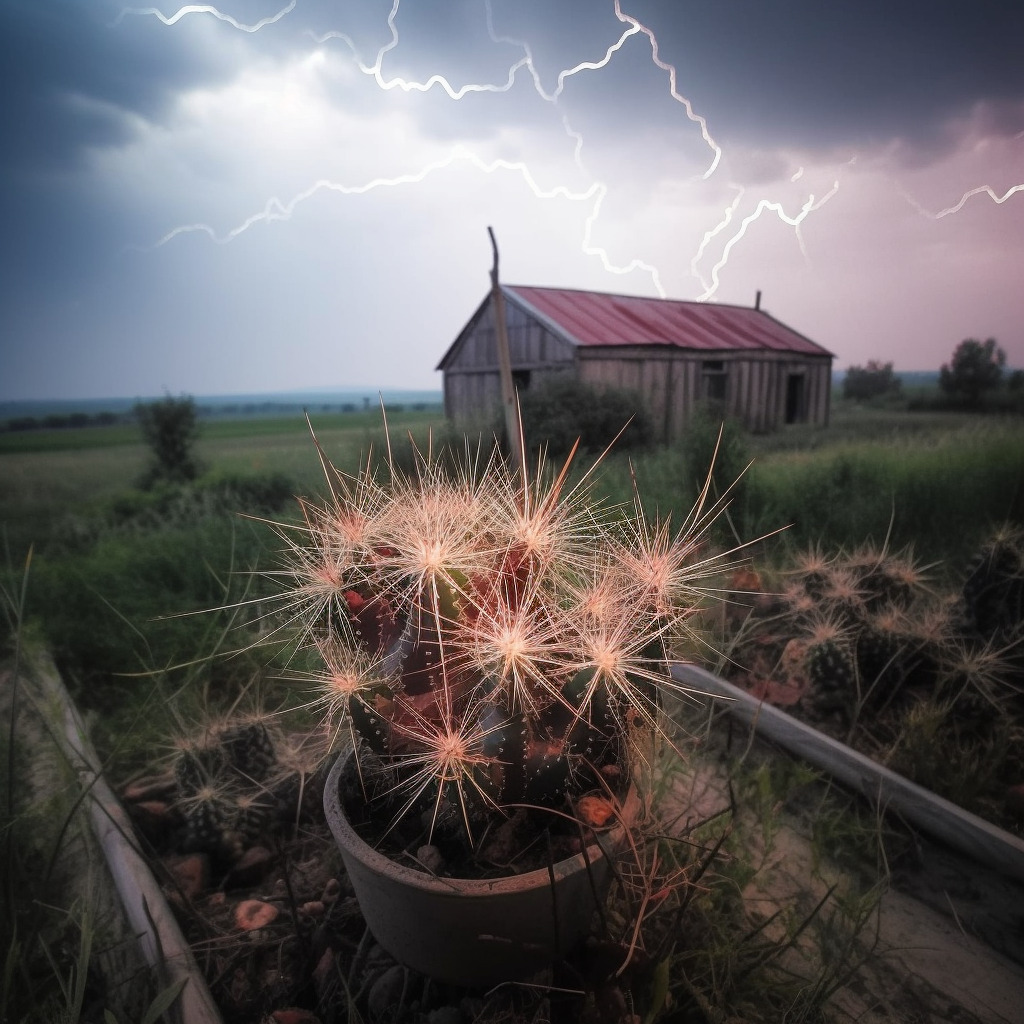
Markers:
{"x": 763, "y": 390}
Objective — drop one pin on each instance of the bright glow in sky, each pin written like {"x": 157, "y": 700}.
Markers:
{"x": 264, "y": 195}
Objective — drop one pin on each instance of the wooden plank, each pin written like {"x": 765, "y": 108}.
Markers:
{"x": 143, "y": 900}
{"x": 918, "y": 806}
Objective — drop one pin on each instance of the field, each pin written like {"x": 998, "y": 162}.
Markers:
{"x": 112, "y": 566}
{"x": 117, "y": 574}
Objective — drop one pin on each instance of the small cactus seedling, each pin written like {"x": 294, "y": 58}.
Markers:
{"x": 491, "y": 640}
{"x": 248, "y": 748}
{"x": 831, "y": 667}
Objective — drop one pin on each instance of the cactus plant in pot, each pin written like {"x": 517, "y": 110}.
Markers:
{"x": 498, "y": 651}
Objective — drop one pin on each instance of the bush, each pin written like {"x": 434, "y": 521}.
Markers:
{"x": 713, "y": 444}
{"x": 561, "y": 410}
{"x": 975, "y": 370}
{"x": 871, "y": 381}
{"x": 170, "y": 428}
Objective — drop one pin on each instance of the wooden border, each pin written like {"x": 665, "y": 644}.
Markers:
{"x": 145, "y": 906}
{"x": 918, "y": 806}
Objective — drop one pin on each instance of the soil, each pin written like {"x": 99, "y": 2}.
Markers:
{"x": 279, "y": 937}
{"x": 946, "y": 944}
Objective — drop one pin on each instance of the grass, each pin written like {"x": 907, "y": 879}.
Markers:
{"x": 107, "y": 585}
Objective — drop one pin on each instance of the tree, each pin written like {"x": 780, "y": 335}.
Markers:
{"x": 170, "y": 428}
{"x": 976, "y": 367}
{"x": 862, "y": 382}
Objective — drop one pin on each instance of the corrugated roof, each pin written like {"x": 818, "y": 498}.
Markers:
{"x": 595, "y": 318}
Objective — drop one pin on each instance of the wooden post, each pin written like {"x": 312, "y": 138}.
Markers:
{"x": 508, "y": 392}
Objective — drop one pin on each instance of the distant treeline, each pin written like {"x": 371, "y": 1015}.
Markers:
{"x": 243, "y": 410}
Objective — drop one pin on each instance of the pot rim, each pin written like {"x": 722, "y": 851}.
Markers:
{"x": 611, "y": 841}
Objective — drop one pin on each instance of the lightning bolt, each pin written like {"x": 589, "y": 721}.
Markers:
{"x": 809, "y": 206}
{"x": 980, "y": 190}
{"x": 204, "y": 9}
{"x": 277, "y": 210}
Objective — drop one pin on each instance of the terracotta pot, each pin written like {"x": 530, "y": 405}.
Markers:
{"x": 474, "y": 932}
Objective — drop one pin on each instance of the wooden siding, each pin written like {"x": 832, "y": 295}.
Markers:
{"x": 758, "y": 388}
{"x": 472, "y": 382}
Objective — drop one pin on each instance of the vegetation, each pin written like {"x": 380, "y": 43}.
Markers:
{"x": 491, "y": 645}
{"x": 115, "y": 566}
{"x": 169, "y": 428}
{"x": 876, "y": 380}
{"x": 870, "y": 650}
{"x": 975, "y": 369}
{"x": 561, "y": 411}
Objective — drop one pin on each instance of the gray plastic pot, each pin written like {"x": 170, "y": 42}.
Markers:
{"x": 474, "y": 932}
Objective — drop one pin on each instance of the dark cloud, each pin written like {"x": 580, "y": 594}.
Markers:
{"x": 802, "y": 72}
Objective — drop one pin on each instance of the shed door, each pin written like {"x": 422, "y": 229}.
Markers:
{"x": 796, "y": 398}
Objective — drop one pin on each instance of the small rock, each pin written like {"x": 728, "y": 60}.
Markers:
{"x": 325, "y": 974}
{"x": 332, "y": 890}
{"x": 191, "y": 874}
{"x": 431, "y": 859}
{"x": 253, "y": 914}
{"x": 314, "y": 908}
{"x": 386, "y": 993}
{"x": 292, "y": 1015}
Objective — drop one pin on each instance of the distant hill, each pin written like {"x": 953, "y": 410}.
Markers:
{"x": 276, "y": 403}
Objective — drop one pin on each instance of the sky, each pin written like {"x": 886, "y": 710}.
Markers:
{"x": 273, "y": 195}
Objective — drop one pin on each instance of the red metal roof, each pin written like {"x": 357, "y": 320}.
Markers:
{"x": 594, "y": 318}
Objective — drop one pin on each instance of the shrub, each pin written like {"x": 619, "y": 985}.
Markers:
{"x": 871, "y": 381}
{"x": 711, "y": 443}
{"x": 975, "y": 369}
{"x": 170, "y": 428}
{"x": 561, "y": 410}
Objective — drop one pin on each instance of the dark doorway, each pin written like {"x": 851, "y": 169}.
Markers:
{"x": 796, "y": 403}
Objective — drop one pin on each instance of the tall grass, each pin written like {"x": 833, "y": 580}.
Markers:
{"x": 941, "y": 495}
{"x": 941, "y": 487}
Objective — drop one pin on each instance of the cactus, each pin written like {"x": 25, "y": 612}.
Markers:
{"x": 248, "y": 748}
{"x": 220, "y": 790}
{"x": 830, "y": 666}
{"x": 491, "y": 640}
{"x": 884, "y": 648}
{"x": 993, "y": 590}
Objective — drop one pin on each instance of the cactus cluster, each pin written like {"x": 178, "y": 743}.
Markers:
{"x": 993, "y": 591}
{"x": 224, "y": 790}
{"x": 492, "y": 641}
{"x": 872, "y": 637}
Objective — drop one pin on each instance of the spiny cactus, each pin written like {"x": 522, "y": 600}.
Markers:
{"x": 492, "y": 640}
{"x": 830, "y": 666}
{"x": 993, "y": 590}
{"x": 886, "y": 579}
{"x": 884, "y": 649}
{"x": 221, "y": 778}
{"x": 248, "y": 748}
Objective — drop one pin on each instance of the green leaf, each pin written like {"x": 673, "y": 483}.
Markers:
{"x": 163, "y": 1001}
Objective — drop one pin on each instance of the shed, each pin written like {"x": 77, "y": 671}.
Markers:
{"x": 671, "y": 353}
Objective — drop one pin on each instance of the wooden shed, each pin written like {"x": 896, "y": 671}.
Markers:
{"x": 671, "y": 353}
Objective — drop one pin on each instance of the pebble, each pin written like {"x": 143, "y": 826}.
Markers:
{"x": 191, "y": 873}
{"x": 431, "y": 859}
{"x": 251, "y": 915}
{"x": 386, "y": 993}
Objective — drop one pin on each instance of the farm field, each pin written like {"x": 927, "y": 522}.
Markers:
{"x": 112, "y": 563}
{"x": 117, "y": 574}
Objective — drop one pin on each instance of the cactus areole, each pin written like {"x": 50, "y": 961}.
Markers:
{"x": 488, "y": 644}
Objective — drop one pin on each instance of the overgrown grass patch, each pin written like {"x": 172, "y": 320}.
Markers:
{"x": 941, "y": 496}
